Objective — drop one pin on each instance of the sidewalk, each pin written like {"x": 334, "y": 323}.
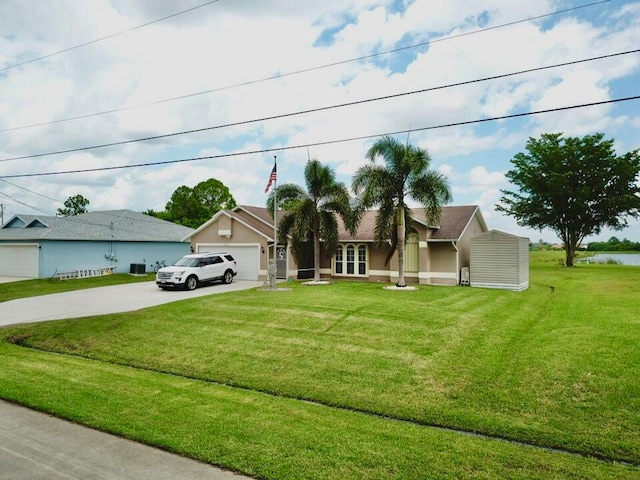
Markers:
{"x": 34, "y": 445}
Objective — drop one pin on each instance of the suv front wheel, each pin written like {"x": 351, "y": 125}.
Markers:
{"x": 191, "y": 283}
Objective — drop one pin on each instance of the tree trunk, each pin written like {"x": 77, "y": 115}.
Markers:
{"x": 401, "y": 235}
{"x": 316, "y": 257}
{"x": 570, "y": 249}
{"x": 569, "y": 257}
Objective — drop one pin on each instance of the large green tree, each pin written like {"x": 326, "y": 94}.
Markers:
{"x": 406, "y": 174}
{"x": 310, "y": 214}
{"x": 192, "y": 207}
{"x": 573, "y": 186}
{"x": 74, "y": 205}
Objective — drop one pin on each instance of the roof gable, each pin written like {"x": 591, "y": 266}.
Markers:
{"x": 37, "y": 223}
{"x": 454, "y": 222}
{"x": 254, "y": 218}
{"x": 15, "y": 222}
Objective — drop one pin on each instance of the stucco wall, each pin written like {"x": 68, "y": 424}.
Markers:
{"x": 443, "y": 263}
{"x": 65, "y": 256}
{"x": 239, "y": 234}
{"x": 464, "y": 245}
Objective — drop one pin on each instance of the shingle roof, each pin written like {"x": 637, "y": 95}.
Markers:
{"x": 260, "y": 212}
{"x": 263, "y": 224}
{"x": 452, "y": 223}
{"x": 110, "y": 225}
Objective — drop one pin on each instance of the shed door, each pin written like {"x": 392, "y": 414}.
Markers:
{"x": 19, "y": 260}
{"x": 247, "y": 257}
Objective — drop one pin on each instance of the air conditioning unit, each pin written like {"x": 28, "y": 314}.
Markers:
{"x": 464, "y": 276}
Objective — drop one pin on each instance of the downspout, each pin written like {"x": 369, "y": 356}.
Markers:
{"x": 453, "y": 242}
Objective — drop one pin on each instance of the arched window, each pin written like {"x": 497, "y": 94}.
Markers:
{"x": 362, "y": 260}
{"x": 411, "y": 253}
{"x": 339, "y": 260}
{"x": 350, "y": 259}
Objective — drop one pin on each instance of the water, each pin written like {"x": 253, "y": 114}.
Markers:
{"x": 621, "y": 258}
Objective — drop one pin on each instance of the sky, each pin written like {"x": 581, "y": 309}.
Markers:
{"x": 77, "y": 74}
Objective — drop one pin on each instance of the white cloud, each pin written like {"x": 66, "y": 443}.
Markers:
{"x": 229, "y": 43}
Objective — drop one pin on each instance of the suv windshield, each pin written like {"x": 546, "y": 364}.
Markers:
{"x": 187, "y": 262}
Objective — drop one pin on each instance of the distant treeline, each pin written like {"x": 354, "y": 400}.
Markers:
{"x": 613, "y": 245}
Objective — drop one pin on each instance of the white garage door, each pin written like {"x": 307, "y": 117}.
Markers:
{"x": 18, "y": 260}
{"x": 247, "y": 256}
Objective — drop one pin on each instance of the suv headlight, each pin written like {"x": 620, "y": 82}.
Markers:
{"x": 177, "y": 274}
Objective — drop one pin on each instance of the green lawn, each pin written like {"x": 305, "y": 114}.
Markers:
{"x": 45, "y": 286}
{"x": 556, "y": 366}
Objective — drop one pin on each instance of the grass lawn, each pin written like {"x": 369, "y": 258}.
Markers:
{"x": 223, "y": 378}
{"x": 45, "y": 286}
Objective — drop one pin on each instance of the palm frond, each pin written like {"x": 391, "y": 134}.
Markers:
{"x": 285, "y": 227}
{"x": 329, "y": 231}
{"x": 287, "y": 195}
{"x": 432, "y": 190}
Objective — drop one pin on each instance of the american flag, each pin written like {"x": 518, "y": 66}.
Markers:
{"x": 272, "y": 178}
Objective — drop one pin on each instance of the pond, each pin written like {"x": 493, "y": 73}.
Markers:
{"x": 621, "y": 258}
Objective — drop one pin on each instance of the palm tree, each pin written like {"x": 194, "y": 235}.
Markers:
{"x": 406, "y": 174}
{"x": 311, "y": 213}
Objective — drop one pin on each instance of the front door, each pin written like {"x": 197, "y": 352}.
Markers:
{"x": 281, "y": 262}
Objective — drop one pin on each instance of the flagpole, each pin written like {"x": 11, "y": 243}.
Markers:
{"x": 275, "y": 210}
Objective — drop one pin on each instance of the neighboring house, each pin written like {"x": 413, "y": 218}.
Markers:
{"x": 246, "y": 233}
{"x": 433, "y": 254}
{"x": 41, "y": 246}
{"x": 500, "y": 260}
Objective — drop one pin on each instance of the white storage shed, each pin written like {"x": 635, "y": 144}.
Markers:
{"x": 499, "y": 260}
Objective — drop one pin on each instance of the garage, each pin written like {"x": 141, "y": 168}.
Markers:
{"x": 247, "y": 256}
{"x": 19, "y": 260}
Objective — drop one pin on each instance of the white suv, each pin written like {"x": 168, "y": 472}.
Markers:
{"x": 192, "y": 270}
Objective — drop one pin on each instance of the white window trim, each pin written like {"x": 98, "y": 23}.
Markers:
{"x": 356, "y": 262}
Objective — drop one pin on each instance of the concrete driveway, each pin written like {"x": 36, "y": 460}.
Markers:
{"x": 7, "y": 279}
{"x": 103, "y": 300}
{"x": 34, "y": 445}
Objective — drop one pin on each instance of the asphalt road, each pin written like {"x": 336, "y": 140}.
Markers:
{"x": 36, "y": 446}
{"x": 103, "y": 300}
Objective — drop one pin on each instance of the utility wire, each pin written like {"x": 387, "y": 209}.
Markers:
{"x": 326, "y": 142}
{"x": 305, "y": 70}
{"x": 25, "y": 204}
{"x": 319, "y": 109}
{"x": 30, "y": 191}
{"x": 3, "y": 69}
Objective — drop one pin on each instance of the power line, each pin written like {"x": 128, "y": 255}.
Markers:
{"x": 319, "y": 109}
{"x": 25, "y": 204}
{"x": 105, "y": 38}
{"x": 30, "y": 191}
{"x": 305, "y": 70}
{"x": 326, "y": 142}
